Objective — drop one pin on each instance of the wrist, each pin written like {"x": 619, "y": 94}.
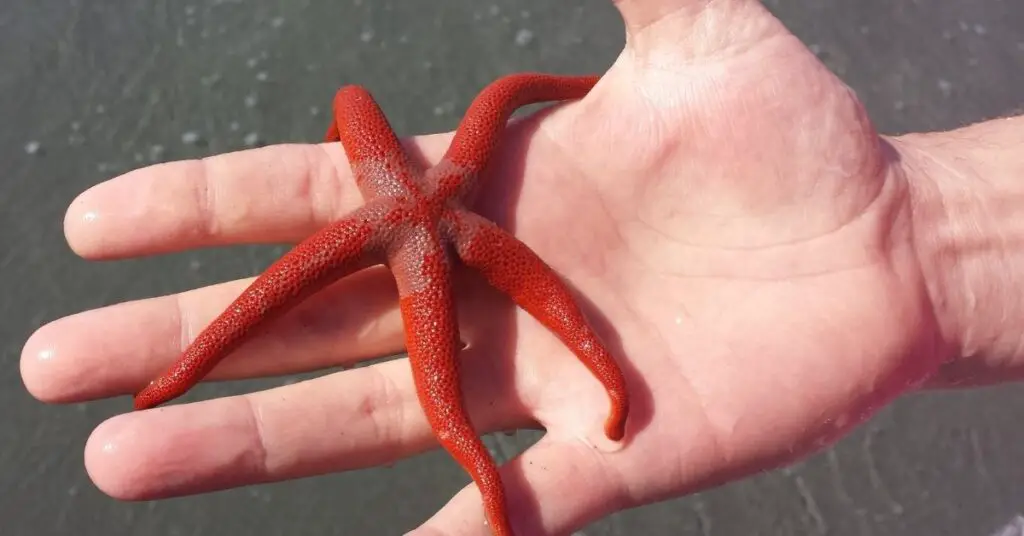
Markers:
{"x": 967, "y": 206}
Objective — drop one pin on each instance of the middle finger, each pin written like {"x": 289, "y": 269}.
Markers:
{"x": 120, "y": 348}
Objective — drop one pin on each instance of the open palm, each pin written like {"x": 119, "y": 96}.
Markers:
{"x": 738, "y": 231}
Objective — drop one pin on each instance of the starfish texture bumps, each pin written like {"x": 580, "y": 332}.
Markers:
{"x": 411, "y": 222}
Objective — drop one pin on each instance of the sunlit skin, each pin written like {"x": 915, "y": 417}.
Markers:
{"x": 767, "y": 270}
{"x": 411, "y": 220}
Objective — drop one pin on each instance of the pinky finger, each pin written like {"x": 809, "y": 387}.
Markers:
{"x": 542, "y": 487}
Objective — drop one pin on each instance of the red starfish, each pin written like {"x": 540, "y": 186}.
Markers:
{"x": 410, "y": 218}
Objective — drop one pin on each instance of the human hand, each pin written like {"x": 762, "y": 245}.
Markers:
{"x": 723, "y": 202}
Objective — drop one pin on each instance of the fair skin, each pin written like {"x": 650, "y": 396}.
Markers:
{"x": 769, "y": 270}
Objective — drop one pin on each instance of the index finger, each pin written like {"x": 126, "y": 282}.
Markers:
{"x": 270, "y": 194}
{"x": 274, "y": 194}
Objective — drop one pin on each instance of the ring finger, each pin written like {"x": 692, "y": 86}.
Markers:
{"x": 348, "y": 420}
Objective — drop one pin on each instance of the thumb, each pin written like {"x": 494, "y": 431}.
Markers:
{"x": 640, "y": 14}
{"x": 682, "y": 29}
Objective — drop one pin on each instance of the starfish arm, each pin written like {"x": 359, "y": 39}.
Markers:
{"x": 511, "y": 267}
{"x": 423, "y": 275}
{"x": 342, "y": 248}
{"x": 379, "y": 163}
{"x": 477, "y": 135}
